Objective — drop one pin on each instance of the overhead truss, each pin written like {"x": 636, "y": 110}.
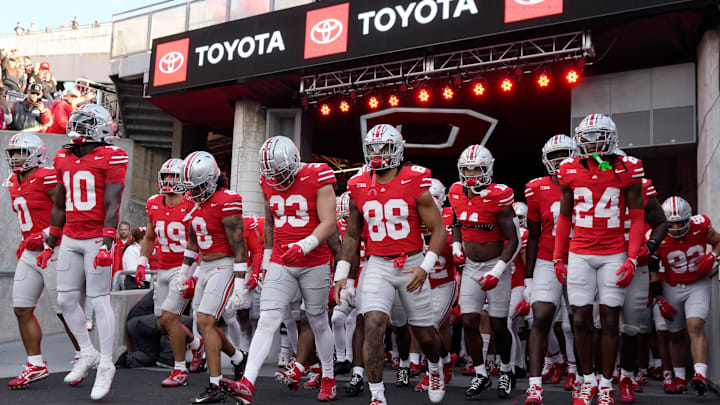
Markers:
{"x": 569, "y": 46}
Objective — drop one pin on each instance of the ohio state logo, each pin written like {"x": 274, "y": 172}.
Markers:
{"x": 171, "y": 62}
{"x": 326, "y": 31}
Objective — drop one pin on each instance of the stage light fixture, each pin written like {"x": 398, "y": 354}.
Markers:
{"x": 506, "y": 85}
{"x": 543, "y": 80}
{"x": 325, "y": 110}
{"x": 373, "y": 102}
{"x": 393, "y": 100}
{"x": 423, "y": 95}
{"x": 448, "y": 93}
{"x": 478, "y": 88}
{"x": 572, "y": 76}
{"x": 344, "y": 106}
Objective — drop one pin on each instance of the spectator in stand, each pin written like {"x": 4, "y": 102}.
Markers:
{"x": 31, "y": 73}
{"x": 74, "y": 24}
{"x": 13, "y": 75}
{"x": 5, "y": 115}
{"x": 131, "y": 258}
{"x": 96, "y": 24}
{"x": 61, "y": 111}
{"x": 31, "y": 114}
{"x": 31, "y": 29}
{"x": 123, "y": 239}
{"x": 48, "y": 29}
{"x": 19, "y": 30}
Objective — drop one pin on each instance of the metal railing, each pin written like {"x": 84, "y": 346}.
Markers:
{"x": 117, "y": 276}
{"x": 134, "y": 30}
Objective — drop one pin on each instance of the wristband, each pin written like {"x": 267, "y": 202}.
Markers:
{"x": 184, "y": 272}
{"x": 342, "y": 269}
{"x": 267, "y": 253}
{"x": 240, "y": 267}
{"x": 143, "y": 261}
{"x": 498, "y": 269}
{"x": 191, "y": 254}
{"x": 428, "y": 263}
{"x": 456, "y": 247}
{"x": 55, "y": 230}
{"x": 111, "y": 232}
{"x": 653, "y": 264}
{"x": 652, "y": 246}
{"x": 308, "y": 243}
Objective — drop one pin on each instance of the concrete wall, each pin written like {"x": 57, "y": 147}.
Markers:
{"x": 248, "y": 137}
{"x": 8, "y": 219}
{"x": 143, "y": 183}
{"x": 708, "y": 169}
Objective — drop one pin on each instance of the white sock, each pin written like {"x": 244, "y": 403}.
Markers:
{"x": 535, "y": 381}
{"x": 69, "y": 302}
{"x": 404, "y": 363}
{"x": 262, "y": 342}
{"x": 77, "y": 353}
{"x": 700, "y": 369}
{"x": 180, "y": 365}
{"x": 605, "y": 383}
{"x": 36, "y": 360}
{"x": 572, "y": 368}
{"x": 642, "y": 371}
{"x": 481, "y": 370}
{"x": 105, "y": 325}
{"x": 338, "y": 328}
{"x": 215, "y": 380}
{"x": 505, "y": 368}
{"x": 377, "y": 390}
{"x": 447, "y": 359}
{"x": 679, "y": 372}
{"x": 195, "y": 344}
{"x": 237, "y": 358}
{"x": 359, "y": 371}
{"x": 626, "y": 373}
{"x": 415, "y": 358}
{"x": 591, "y": 379}
{"x": 300, "y": 367}
{"x": 434, "y": 368}
{"x": 323, "y": 342}
{"x": 557, "y": 358}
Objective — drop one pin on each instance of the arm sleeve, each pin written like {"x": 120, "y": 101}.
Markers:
{"x": 637, "y": 232}
{"x": 562, "y": 236}
{"x": 256, "y": 250}
{"x": 117, "y": 166}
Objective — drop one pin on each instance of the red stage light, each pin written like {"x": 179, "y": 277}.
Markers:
{"x": 325, "y": 110}
{"x": 478, "y": 89}
{"x": 506, "y": 85}
{"x": 305, "y": 102}
{"x": 448, "y": 93}
{"x": 344, "y": 106}
{"x": 543, "y": 80}
{"x": 572, "y": 76}
{"x": 394, "y": 101}
{"x": 373, "y": 102}
{"x": 423, "y": 95}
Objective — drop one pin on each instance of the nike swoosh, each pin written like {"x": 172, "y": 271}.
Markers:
{"x": 696, "y": 232}
{"x": 304, "y": 178}
{"x": 212, "y": 204}
{"x": 405, "y": 181}
{"x": 99, "y": 157}
{"x": 486, "y": 200}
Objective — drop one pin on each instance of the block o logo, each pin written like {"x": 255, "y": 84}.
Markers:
{"x": 326, "y": 31}
{"x": 171, "y": 62}
{"x": 518, "y": 10}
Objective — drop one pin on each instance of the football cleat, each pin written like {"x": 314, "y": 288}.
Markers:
{"x": 478, "y": 384}
{"x": 211, "y": 395}
{"x": 81, "y": 368}
{"x": 241, "y": 391}
{"x": 627, "y": 394}
{"x": 534, "y": 395}
{"x": 505, "y": 384}
{"x": 103, "y": 381}
{"x": 314, "y": 376}
{"x": 422, "y": 386}
{"x": 436, "y": 387}
{"x": 176, "y": 379}
{"x": 239, "y": 369}
{"x": 415, "y": 370}
{"x": 402, "y": 378}
{"x": 29, "y": 375}
{"x": 569, "y": 381}
{"x": 699, "y": 384}
{"x": 328, "y": 390}
{"x": 586, "y": 394}
{"x": 469, "y": 369}
{"x": 197, "y": 364}
{"x": 557, "y": 373}
{"x": 290, "y": 376}
{"x": 680, "y": 384}
{"x": 448, "y": 368}
{"x": 355, "y": 386}
{"x": 607, "y": 396}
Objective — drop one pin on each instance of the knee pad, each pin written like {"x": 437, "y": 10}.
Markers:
{"x": 67, "y": 300}
{"x": 270, "y": 320}
{"x": 630, "y": 330}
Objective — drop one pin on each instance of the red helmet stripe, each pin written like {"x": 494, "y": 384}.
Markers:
{"x": 187, "y": 171}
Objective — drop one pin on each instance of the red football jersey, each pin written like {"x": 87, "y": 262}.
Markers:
{"x": 390, "y": 210}
{"x": 543, "y": 201}
{"x": 253, "y": 230}
{"x": 478, "y": 215}
{"x": 680, "y": 256}
{"x": 207, "y": 223}
{"x": 599, "y": 203}
{"x": 171, "y": 226}
{"x": 444, "y": 270}
{"x": 518, "y": 267}
{"x": 30, "y": 200}
{"x": 84, "y": 179}
{"x": 295, "y": 212}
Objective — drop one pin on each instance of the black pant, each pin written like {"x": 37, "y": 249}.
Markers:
{"x": 152, "y": 344}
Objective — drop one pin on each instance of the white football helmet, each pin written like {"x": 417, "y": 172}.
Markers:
{"x": 677, "y": 210}
{"x": 279, "y": 162}
{"x": 31, "y": 152}
{"x": 383, "y": 147}
{"x": 620, "y": 152}
{"x": 90, "y": 123}
{"x": 342, "y": 207}
{"x": 437, "y": 191}
{"x": 171, "y": 167}
{"x": 596, "y": 133}
{"x": 200, "y": 174}
{"x": 554, "y": 146}
{"x": 521, "y": 211}
{"x": 476, "y": 157}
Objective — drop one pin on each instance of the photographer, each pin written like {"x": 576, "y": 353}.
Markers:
{"x": 31, "y": 114}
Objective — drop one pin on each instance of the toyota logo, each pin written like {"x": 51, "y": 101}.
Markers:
{"x": 528, "y": 2}
{"x": 326, "y": 31}
{"x": 171, "y": 62}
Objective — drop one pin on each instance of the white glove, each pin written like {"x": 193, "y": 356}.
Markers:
{"x": 528, "y": 290}
{"x": 349, "y": 291}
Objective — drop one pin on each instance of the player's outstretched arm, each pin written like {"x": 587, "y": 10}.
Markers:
{"x": 113, "y": 197}
{"x": 234, "y": 231}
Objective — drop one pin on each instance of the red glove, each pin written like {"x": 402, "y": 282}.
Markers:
{"x": 189, "y": 288}
{"x": 560, "y": 271}
{"x": 293, "y": 254}
{"x": 668, "y": 311}
{"x": 20, "y": 249}
{"x": 103, "y": 258}
{"x": 251, "y": 283}
{"x": 488, "y": 282}
{"x": 34, "y": 241}
{"x": 626, "y": 273}
{"x": 706, "y": 263}
{"x": 458, "y": 255}
{"x": 522, "y": 309}
{"x": 643, "y": 254}
{"x": 44, "y": 257}
{"x": 140, "y": 274}
{"x": 455, "y": 315}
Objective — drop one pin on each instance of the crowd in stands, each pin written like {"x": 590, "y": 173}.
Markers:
{"x": 73, "y": 25}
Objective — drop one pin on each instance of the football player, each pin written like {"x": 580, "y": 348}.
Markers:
{"x": 168, "y": 226}
{"x": 85, "y": 213}
{"x": 485, "y": 223}
{"x": 443, "y": 291}
{"x": 300, "y": 200}
{"x": 545, "y": 290}
{"x": 32, "y": 190}
{"x": 599, "y": 187}
{"x": 390, "y": 201}
{"x": 684, "y": 297}
{"x": 216, "y": 237}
